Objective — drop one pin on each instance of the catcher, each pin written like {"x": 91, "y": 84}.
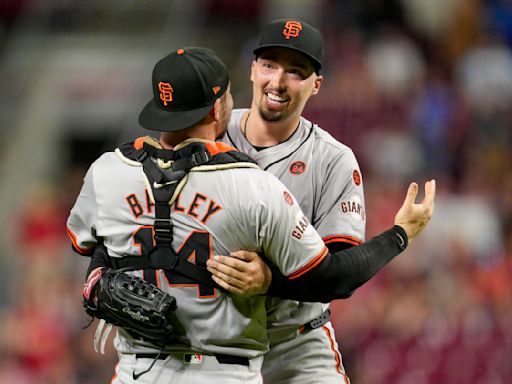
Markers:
{"x": 183, "y": 199}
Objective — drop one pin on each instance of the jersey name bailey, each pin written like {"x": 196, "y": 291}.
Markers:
{"x": 201, "y": 207}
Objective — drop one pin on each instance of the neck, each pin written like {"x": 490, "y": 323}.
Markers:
{"x": 262, "y": 133}
{"x": 168, "y": 140}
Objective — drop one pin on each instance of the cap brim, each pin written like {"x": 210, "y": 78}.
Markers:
{"x": 156, "y": 119}
{"x": 315, "y": 62}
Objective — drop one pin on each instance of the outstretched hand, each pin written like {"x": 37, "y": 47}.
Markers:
{"x": 244, "y": 273}
{"x": 414, "y": 217}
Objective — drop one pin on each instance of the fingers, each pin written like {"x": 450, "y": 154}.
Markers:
{"x": 410, "y": 197}
{"x": 220, "y": 272}
{"x": 224, "y": 267}
{"x": 414, "y": 217}
{"x": 226, "y": 286}
{"x": 244, "y": 255}
{"x": 239, "y": 261}
{"x": 430, "y": 193}
{"x": 234, "y": 263}
{"x": 227, "y": 277}
{"x": 247, "y": 277}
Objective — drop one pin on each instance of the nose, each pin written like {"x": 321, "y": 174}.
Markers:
{"x": 277, "y": 79}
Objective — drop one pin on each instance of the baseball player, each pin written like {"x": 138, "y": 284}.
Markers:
{"x": 221, "y": 202}
{"x": 322, "y": 174}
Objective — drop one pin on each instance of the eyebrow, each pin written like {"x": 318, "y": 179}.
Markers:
{"x": 293, "y": 63}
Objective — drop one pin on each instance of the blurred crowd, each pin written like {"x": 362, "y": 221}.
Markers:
{"x": 419, "y": 89}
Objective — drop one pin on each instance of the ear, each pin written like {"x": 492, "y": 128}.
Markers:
{"x": 318, "y": 83}
{"x": 253, "y": 68}
{"x": 215, "y": 111}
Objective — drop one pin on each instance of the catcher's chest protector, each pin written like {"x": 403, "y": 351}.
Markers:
{"x": 166, "y": 172}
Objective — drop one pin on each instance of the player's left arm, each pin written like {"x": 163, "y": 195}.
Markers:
{"x": 340, "y": 273}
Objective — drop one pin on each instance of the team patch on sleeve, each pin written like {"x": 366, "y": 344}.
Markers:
{"x": 288, "y": 198}
{"x": 353, "y": 206}
{"x": 356, "y": 176}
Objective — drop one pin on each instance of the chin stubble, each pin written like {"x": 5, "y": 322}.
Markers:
{"x": 270, "y": 116}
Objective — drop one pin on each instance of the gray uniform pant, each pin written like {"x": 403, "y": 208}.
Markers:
{"x": 178, "y": 368}
{"x": 308, "y": 357}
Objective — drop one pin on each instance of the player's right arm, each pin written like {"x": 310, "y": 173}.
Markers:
{"x": 82, "y": 223}
{"x": 338, "y": 274}
{"x": 82, "y": 220}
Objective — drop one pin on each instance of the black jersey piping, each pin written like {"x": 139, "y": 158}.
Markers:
{"x": 230, "y": 139}
{"x": 291, "y": 153}
{"x": 283, "y": 158}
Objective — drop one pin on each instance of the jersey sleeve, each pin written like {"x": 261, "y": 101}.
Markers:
{"x": 81, "y": 223}
{"x": 286, "y": 236}
{"x": 340, "y": 214}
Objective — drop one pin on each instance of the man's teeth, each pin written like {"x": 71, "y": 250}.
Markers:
{"x": 273, "y": 97}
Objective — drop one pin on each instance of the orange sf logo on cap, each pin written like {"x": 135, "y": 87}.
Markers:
{"x": 165, "y": 92}
{"x": 292, "y": 29}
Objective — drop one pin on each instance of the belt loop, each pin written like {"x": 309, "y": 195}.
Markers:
{"x": 317, "y": 322}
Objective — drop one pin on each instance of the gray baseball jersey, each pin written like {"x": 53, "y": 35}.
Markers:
{"x": 216, "y": 212}
{"x": 325, "y": 178}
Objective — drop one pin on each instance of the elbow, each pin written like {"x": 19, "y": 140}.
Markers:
{"x": 336, "y": 295}
{"x": 347, "y": 294}
{"x": 343, "y": 293}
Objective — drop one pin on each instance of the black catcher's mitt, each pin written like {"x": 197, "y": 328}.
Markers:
{"x": 130, "y": 302}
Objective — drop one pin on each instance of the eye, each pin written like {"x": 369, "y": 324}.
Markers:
{"x": 297, "y": 72}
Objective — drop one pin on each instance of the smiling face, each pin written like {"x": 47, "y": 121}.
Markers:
{"x": 283, "y": 81}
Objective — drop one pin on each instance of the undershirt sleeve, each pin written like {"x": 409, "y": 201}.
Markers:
{"x": 340, "y": 273}
{"x": 99, "y": 258}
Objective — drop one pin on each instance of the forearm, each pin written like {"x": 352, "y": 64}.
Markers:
{"x": 340, "y": 273}
{"x": 99, "y": 258}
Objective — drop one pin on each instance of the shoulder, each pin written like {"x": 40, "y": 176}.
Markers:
{"x": 254, "y": 184}
{"x": 329, "y": 149}
{"x": 234, "y": 135}
{"x": 254, "y": 177}
{"x": 112, "y": 167}
{"x": 327, "y": 141}
{"x": 236, "y": 117}
{"x": 105, "y": 161}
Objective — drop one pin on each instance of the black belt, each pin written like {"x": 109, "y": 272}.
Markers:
{"x": 316, "y": 323}
{"x": 221, "y": 358}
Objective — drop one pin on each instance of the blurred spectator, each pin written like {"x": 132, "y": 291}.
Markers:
{"x": 431, "y": 19}
{"x": 433, "y": 119}
{"x": 395, "y": 64}
{"x": 499, "y": 18}
{"x": 40, "y": 224}
{"x": 484, "y": 73}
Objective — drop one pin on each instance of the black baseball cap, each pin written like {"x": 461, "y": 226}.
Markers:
{"x": 293, "y": 34}
{"x": 186, "y": 84}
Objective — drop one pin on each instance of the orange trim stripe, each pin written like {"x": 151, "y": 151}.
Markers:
{"x": 114, "y": 378}
{"x": 342, "y": 239}
{"x": 309, "y": 266}
{"x": 215, "y": 147}
{"x": 72, "y": 237}
{"x": 157, "y": 275}
{"x": 337, "y": 355}
{"x": 138, "y": 143}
